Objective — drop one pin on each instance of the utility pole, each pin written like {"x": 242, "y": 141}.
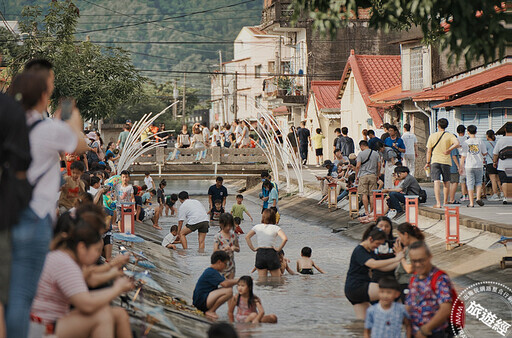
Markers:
{"x": 235, "y": 97}
{"x": 176, "y": 94}
{"x": 184, "y": 94}
{"x": 279, "y": 57}
{"x": 222, "y": 119}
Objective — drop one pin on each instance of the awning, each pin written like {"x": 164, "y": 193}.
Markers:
{"x": 497, "y": 93}
{"x": 331, "y": 116}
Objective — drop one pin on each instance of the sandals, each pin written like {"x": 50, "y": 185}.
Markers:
{"x": 480, "y": 203}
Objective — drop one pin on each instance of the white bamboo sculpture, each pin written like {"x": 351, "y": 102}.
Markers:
{"x": 285, "y": 150}
{"x": 133, "y": 147}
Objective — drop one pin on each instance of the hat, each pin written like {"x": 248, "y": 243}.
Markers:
{"x": 352, "y": 156}
{"x": 327, "y": 163}
{"x": 92, "y": 135}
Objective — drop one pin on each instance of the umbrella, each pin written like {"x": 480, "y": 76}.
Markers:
{"x": 157, "y": 315}
{"x": 127, "y": 237}
{"x": 502, "y": 241}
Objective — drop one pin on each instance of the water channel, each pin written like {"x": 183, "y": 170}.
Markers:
{"x": 305, "y": 305}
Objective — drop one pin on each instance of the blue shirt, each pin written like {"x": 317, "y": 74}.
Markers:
{"x": 273, "y": 196}
{"x": 399, "y": 143}
{"x": 385, "y": 323}
{"x": 109, "y": 152}
{"x": 489, "y": 145}
{"x": 208, "y": 282}
{"x": 453, "y": 168}
{"x": 146, "y": 196}
{"x": 372, "y": 143}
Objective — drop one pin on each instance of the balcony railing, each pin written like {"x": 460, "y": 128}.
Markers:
{"x": 286, "y": 88}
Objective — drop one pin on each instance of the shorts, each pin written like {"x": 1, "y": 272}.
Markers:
{"x": 201, "y": 227}
{"x": 107, "y": 238}
{"x": 462, "y": 179}
{"x": 454, "y": 177}
{"x": 474, "y": 177}
{"x": 200, "y": 303}
{"x": 149, "y": 213}
{"x": 490, "y": 170}
{"x": 5, "y": 267}
{"x": 319, "y": 152}
{"x": 367, "y": 184}
{"x": 267, "y": 258}
{"x": 108, "y": 211}
{"x": 358, "y": 295}
{"x": 439, "y": 170}
{"x": 503, "y": 177}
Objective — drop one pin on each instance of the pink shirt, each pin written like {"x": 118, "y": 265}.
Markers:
{"x": 61, "y": 278}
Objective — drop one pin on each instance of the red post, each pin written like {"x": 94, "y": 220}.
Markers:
{"x": 378, "y": 203}
{"x": 411, "y": 209}
{"x": 451, "y": 214}
{"x": 127, "y": 218}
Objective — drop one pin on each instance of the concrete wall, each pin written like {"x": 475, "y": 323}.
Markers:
{"x": 110, "y": 132}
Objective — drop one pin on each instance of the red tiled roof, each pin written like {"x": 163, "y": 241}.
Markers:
{"x": 497, "y": 93}
{"x": 280, "y": 109}
{"x": 326, "y": 94}
{"x": 373, "y": 74}
{"x": 446, "y": 92}
{"x": 257, "y": 31}
{"x": 382, "y": 97}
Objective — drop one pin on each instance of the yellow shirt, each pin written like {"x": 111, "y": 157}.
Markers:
{"x": 446, "y": 142}
{"x": 317, "y": 141}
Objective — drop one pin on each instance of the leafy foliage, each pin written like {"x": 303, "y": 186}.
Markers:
{"x": 473, "y": 29}
{"x": 100, "y": 79}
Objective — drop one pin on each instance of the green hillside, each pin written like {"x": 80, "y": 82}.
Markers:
{"x": 216, "y": 22}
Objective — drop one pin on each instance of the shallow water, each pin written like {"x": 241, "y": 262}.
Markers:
{"x": 303, "y": 304}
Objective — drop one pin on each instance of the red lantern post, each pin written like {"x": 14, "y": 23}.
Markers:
{"x": 451, "y": 214}
{"x": 411, "y": 209}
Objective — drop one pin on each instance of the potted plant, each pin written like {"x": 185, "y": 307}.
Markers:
{"x": 283, "y": 85}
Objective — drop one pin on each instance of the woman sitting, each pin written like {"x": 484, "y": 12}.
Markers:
{"x": 62, "y": 284}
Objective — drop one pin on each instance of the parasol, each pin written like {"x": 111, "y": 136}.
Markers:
{"x": 503, "y": 241}
{"x": 156, "y": 315}
{"x": 145, "y": 279}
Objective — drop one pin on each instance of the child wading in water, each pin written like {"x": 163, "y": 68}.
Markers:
{"x": 226, "y": 240}
{"x": 305, "y": 264}
{"x": 249, "y": 306}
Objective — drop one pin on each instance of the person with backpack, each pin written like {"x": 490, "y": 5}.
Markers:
{"x": 439, "y": 148}
{"x": 345, "y": 143}
{"x": 502, "y": 160}
{"x": 431, "y": 295}
{"x": 30, "y": 237}
{"x": 367, "y": 170}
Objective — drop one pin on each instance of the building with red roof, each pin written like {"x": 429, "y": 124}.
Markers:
{"x": 323, "y": 111}
{"x": 365, "y": 76}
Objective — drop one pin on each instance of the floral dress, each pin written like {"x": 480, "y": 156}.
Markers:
{"x": 223, "y": 243}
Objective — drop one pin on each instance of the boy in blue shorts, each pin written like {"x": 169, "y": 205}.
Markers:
{"x": 208, "y": 297}
{"x": 385, "y": 318}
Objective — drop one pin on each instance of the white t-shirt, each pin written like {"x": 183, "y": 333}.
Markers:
{"x": 47, "y": 140}
{"x": 215, "y": 137}
{"x": 168, "y": 239}
{"x": 124, "y": 194}
{"x": 503, "y": 142}
{"x": 238, "y": 133}
{"x": 192, "y": 212}
{"x": 266, "y": 234}
{"x": 206, "y": 134}
{"x": 409, "y": 140}
{"x": 473, "y": 149}
{"x": 148, "y": 181}
{"x": 93, "y": 191}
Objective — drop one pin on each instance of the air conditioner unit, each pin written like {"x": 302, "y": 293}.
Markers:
{"x": 290, "y": 38}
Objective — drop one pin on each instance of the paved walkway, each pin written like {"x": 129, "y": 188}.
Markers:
{"x": 493, "y": 216}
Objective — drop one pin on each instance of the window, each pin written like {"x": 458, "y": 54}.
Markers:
{"x": 257, "y": 101}
{"x": 416, "y": 69}
{"x": 271, "y": 66}
{"x": 286, "y": 67}
{"x": 257, "y": 71}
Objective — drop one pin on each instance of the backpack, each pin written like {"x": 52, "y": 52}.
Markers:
{"x": 505, "y": 153}
{"x": 458, "y": 312}
{"x": 422, "y": 196}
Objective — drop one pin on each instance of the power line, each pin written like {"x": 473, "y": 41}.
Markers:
{"x": 262, "y": 75}
{"x": 188, "y": 20}
{"x": 168, "y": 18}
{"x": 142, "y": 14}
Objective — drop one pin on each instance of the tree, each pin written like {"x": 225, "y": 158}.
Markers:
{"x": 473, "y": 29}
{"x": 100, "y": 79}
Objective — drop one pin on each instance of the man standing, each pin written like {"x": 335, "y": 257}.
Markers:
{"x": 411, "y": 149}
{"x": 345, "y": 143}
{"x": 337, "y": 132}
{"x": 439, "y": 148}
{"x": 502, "y": 159}
{"x": 408, "y": 186}
{"x": 304, "y": 141}
{"x": 206, "y": 134}
{"x": 461, "y": 136}
{"x": 395, "y": 142}
{"x": 429, "y": 301}
{"x": 30, "y": 237}
{"x": 384, "y": 136}
{"x": 123, "y": 136}
{"x": 367, "y": 170}
{"x": 217, "y": 192}
{"x": 373, "y": 140}
{"x": 193, "y": 214}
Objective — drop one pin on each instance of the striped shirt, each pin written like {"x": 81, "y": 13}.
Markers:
{"x": 61, "y": 278}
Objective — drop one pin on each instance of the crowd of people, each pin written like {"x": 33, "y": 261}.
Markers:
{"x": 388, "y": 163}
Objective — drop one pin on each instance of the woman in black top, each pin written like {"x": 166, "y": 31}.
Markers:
{"x": 384, "y": 251}
{"x": 359, "y": 288}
